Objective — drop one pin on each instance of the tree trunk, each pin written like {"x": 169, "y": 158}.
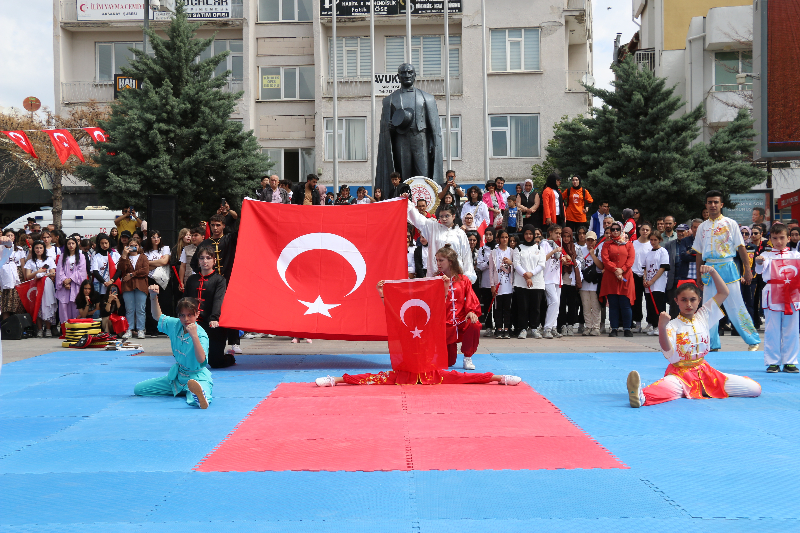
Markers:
{"x": 58, "y": 198}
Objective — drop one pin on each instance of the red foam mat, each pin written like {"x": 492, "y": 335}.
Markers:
{"x": 409, "y": 427}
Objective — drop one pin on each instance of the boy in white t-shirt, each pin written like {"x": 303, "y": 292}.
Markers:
{"x": 656, "y": 264}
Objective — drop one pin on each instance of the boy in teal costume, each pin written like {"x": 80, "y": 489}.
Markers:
{"x": 189, "y": 347}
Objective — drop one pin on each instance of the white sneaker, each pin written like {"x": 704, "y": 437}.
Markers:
{"x": 555, "y": 332}
{"x": 197, "y": 391}
{"x": 595, "y": 332}
{"x": 327, "y": 381}
{"x": 523, "y": 334}
{"x": 635, "y": 394}
{"x": 653, "y": 332}
{"x": 535, "y": 334}
{"x": 40, "y": 334}
{"x": 510, "y": 380}
{"x": 582, "y": 329}
{"x": 648, "y": 329}
{"x": 270, "y": 336}
{"x": 48, "y": 332}
{"x": 488, "y": 332}
{"x": 636, "y": 327}
{"x": 249, "y": 336}
{"x": 140, "y": 335}
{"x": 548, "y": 333}
{"x": 127, "y": 335}
{"x": 468, "y": 364}
{"x": 236, "y": 349}
{"x": 294, "y": 340}
{"x": 309, "y": 341}
{"x": 570, "y": 331}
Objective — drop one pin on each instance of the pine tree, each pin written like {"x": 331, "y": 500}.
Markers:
{"x": 633, "y": 153}
{"x": 174, "y": 135}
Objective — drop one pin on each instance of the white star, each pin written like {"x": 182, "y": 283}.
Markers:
{"x": 787, "y": 281}
{"x": 416, "y": 333}
{"x": 318, "y": 307}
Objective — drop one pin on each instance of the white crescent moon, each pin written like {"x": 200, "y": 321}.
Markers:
{"x": 99, "y": 135}
{"x": 64, "y": 142}
{"x": 323, "y": 241}
{"x": 18, "y": 136}
{"x": 414, "y": 303}
{"x": 31, "y": 290}
{"x": 787, "y": 267}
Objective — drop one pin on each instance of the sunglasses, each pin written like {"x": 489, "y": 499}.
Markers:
{"x": 617, "y": 230}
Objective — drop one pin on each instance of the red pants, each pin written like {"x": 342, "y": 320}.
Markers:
{"x": 468, "y": 334}
{"x": 443, "y": 377}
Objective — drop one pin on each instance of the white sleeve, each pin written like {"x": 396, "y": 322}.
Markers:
{"x": 699, "y": 244}
{"x": 712, "y": 311}
{"x": 420, "y": 222}
{"x": 466, "y": 258}
{"x": 670, "y": 354}
{"x": 483, "y": 259}
{"x": 763, "y": 268}
{"x": 183, "y": 255}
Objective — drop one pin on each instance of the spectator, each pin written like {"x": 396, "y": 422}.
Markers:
{"x": 590, "y": 266}
{"x": 421, "y": 258}
{"x": 41, "y": 266}
{"x": 133, "y": 270}
{"x": 501, "y": 269}
{"x": 88, "y": 300}
{"x": 447, "y": 202}
{"x": 759, "y": 217}
{"x": 704, "y": 214}
{"x": 513, "y": 242}
{"x": 792, "y": 223}
{"x": 10, "y": 277}
{"x": 51, "y": 250}
{"x": 158, "y": 257}
{"x": 641, "y": 247}
{"x": 110, "y": 305}
{"x": 554, "y": 258}
{"x": 124, "y": 240}
{"x": 629, "y": 228}
{"x": 660, "y": 225}
{"x": 469, "y": 223}
{"x": 669, "y": 229}
{"x": 231, "y": 217}
{"x": 329, "y": 199}
{"x": 29, "y": 226}
{"x": 306, "y": 193}
{"x": 655, "y": 282}
{"x": 475, "y": 206}
{"x": 617, "y": 284}
{"x": 362, "y": 197}
{"x": 451, "y": 187}
{"x": 528, "y": 262}
{"x": 287, "y": 186}
{"x": 636, "y": 216}
{"x": 759, "y": 244}
{"x": 410, "y": 249}
{"x": 528, "y": 202}
{"x": 187, "y": 253}
{"x": 485, "y": 294}
{"x": 686, "y": 267}
{"x": 794, "y": 237}
{"x": 422, "y": 207}
{"x": 442, "y": 233}
{"x": 577, "y": 200}
{"x": 474, "y": 244}
{"x": 495, "y": 204}
{"x": 598, "y": 219}
{"x": 70, "y": 273}
{"x": 128, "y": 220}
{"x": 499, "y": 185}
{"x": 377, "y": 195}
{"x": 570, "y": 285}
{"x": 512, "y": 215}
{"x": 398, "y": 189}
{"x": 344, "y": 197}
{"x": 260, "y": 191}
{"x": 113, "y": 237}
{"x": 553, "y": 205}
{"x": 100, "y": 267}
{"x": 272, "y": 192}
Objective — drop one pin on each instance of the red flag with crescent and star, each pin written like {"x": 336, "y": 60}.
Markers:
{"x": 30, "y": 293}
{"x": 784, "y": 283}
{"x": 21, "y": 140}
{"x": 97, "y": 134}
{"x": 415, "y": 320}
{"x": 65, "y": 145}
{"x": 311, "y": 270}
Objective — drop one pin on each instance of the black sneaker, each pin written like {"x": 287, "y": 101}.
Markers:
{"x": 614, "y": 333}
{"x": 627, "y": 333}
{"x": 792, "y": 369}
{"x": 773, "y": 368}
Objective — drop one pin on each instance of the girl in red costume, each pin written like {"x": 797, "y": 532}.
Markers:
{"x": 463, "y": 309}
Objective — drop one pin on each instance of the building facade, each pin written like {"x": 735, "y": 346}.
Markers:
{"x": 281, "y": 57}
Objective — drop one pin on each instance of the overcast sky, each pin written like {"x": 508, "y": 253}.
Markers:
{"x": 26, "y": 46}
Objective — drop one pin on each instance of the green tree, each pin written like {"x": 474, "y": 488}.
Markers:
{"x": 174, "y": 134}
{"x": 633, "y": 153}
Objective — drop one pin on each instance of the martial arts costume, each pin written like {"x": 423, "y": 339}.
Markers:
{"x": 210, "y": 293}
{"x": 185, "y": 368}
{"x": 5, "y": 255}
{"x": 781, "y": 339}
{"x": 461, "y": 300}
{"x": 688, "y": 374}
{"x": 718, "y": 241}
{"x": 437, "y": 236}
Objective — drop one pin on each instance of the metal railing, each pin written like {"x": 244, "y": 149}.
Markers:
{"x": 646, "y": 59}
{"x": 574, "y": 79}
{"x": 69, "y": 11}
{"x": 731, "y": 87}
{"x": 357, "y": 88}
{"x": 78, "y": 92}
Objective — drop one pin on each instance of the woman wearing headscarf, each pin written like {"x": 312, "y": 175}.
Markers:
{"x": 485, "y": 294}
{"x": 553, "y": 203}
{"x": 475, "y": 205}
{"x": 617, "y": 285}
{"x": 469, "y": 223}
{"x": 528, "y": 283}
{"x": 528, "y": 202}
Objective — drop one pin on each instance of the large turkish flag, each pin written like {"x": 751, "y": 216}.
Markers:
{"x": 784, "y": 283}
{"x": 311, "y": 271}
{"x": 415, "y": 319}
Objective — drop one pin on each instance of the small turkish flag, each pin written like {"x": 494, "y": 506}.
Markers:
{"x": 784, "y": 283}
{"x": 22, "y": 141}
{"x": 415, "y": 321}
{"x": 65, "y": 145}
{"x": 482, "y": 233}
{"x": 112, "y": 271}
{"x": 98, "y": 135}
{"x": 311, "y": 270}
{"x": 30, "y": 293}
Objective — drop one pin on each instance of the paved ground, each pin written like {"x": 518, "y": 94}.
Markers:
{"x": 78, "y": 452}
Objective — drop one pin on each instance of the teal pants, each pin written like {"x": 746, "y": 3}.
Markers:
{"x": 163, "y": 387}
{"x": 733, "y": 304}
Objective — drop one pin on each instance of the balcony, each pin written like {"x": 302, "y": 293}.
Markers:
{"x": 574, "y": 79}
{"x": 646, "y": 59}
{"x": 360, "y": 88}
{"x": 81, "y": 92}
{"x": 723, "y": 105}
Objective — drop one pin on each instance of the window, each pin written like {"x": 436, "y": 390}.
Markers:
{"x": 287, "y": 83}
{"x": 455, "y": 136}
{"x": 234, "y": 62}
{"x": 111, "y": 57}
{"x": 515, "y": 49}
{"x": 427, "y": 54}
{"x": 515, "y": 135}
{"x": 352, "y": 57}
{"x": 284, "y": 10}
{"x": 292, "y": 164}
{"x": 727, "y": 65}
{"x": 352, "y": 139}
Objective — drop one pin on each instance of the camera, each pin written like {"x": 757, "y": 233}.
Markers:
{"x": 222, "y": 203}
{"x": 134, "y": 248}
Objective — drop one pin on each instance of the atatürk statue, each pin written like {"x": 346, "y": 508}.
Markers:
{"x": 410, "y": 139}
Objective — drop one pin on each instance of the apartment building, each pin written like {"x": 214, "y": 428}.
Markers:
{"x": 282, "y": 58}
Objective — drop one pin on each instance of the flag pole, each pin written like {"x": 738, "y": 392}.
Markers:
{"x": 485, "y": 96}
{"x": 335, "y": 106}
{"x": 447, "y": 83}
{"x": 372, "y": 157}
{"x": 408, "y": 31}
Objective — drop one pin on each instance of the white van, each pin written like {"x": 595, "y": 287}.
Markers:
{"x": 87, "y": 222}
